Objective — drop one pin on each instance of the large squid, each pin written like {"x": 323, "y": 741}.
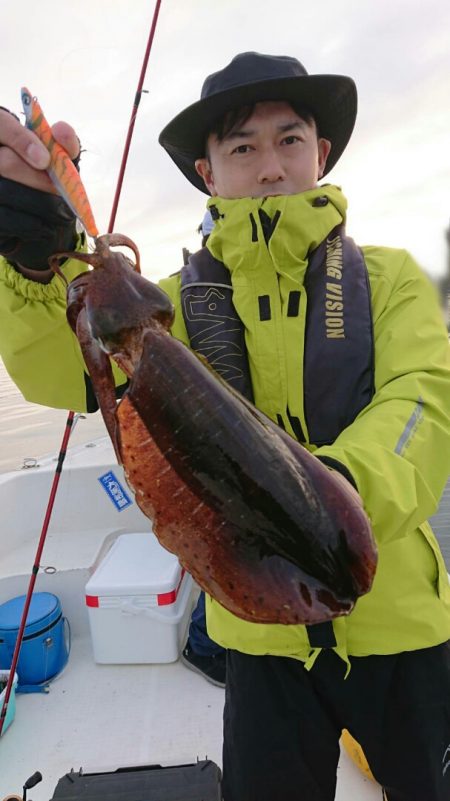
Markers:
{"x": 260, "y": 523}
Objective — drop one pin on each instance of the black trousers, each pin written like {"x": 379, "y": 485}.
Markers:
{"x": 282, "y": 724}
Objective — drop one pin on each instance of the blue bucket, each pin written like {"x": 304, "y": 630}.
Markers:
{"x": 46, "y": 641}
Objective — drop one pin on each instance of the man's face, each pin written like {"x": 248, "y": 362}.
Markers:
{"x": 275, "y": 152}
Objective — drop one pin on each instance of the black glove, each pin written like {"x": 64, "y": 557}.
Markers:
{"x": 33, "y": 224}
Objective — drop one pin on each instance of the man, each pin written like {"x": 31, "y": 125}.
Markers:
{"x": 343, "y": 347}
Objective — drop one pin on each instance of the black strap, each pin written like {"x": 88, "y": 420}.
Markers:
{"x": 338, "y": 364}
{"x": 213, "y": 325}
{"x": 321, "y": 635}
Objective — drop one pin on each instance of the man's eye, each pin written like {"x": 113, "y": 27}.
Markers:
{"x": 242, "y": 149}
{"x": 290, "y": 140}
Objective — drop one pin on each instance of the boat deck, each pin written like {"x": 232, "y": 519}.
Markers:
{"x": 102, "y": 717}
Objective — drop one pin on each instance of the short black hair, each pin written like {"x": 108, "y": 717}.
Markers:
{"x": 239, "y": 116}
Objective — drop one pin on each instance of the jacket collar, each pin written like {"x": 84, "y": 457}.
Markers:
{"x": 299, "y": 224}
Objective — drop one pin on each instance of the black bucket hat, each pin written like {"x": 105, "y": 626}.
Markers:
{"x": 251, "y": 78}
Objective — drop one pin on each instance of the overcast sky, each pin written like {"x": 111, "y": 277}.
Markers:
{"x": 83, "y": 60}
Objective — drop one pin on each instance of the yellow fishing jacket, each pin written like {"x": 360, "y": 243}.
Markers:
{"x": 397, "y": 449}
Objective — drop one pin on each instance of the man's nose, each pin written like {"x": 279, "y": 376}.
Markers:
{"x": 271, "y": 169}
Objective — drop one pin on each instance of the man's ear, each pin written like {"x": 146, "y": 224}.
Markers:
{"x": 324, "y": 147}
{"x": 203, "y": 168}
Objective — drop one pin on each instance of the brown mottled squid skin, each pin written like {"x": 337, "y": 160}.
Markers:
{"x": 258, "y": 521}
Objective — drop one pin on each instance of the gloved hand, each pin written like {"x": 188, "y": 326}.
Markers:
{"x": 33, "y": 225}
{"x": 34, "y": 221}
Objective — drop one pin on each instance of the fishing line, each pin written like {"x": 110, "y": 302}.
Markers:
{"x": 71, "y": 415}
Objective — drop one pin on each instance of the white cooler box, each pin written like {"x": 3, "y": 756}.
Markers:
{"x": 139, "y": 603}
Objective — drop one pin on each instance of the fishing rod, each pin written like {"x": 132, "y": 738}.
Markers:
{"x": 71, "y": 415}
{"x": 134, "y": 111}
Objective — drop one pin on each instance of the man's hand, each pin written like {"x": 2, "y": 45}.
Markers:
{"x": 35, "y": 221}
{"x": 23, "y": 158}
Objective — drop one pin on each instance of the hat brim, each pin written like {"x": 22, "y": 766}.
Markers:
{"x": 331, "y": 99}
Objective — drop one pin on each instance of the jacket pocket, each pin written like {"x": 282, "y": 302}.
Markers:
{"x": 443, "y": 581}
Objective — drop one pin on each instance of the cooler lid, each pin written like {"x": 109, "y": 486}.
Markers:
{"x": 136, "y": 564}
{"x": 43, "y": 606}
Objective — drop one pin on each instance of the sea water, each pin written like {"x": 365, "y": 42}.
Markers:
{"x": 30, "y": 431}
